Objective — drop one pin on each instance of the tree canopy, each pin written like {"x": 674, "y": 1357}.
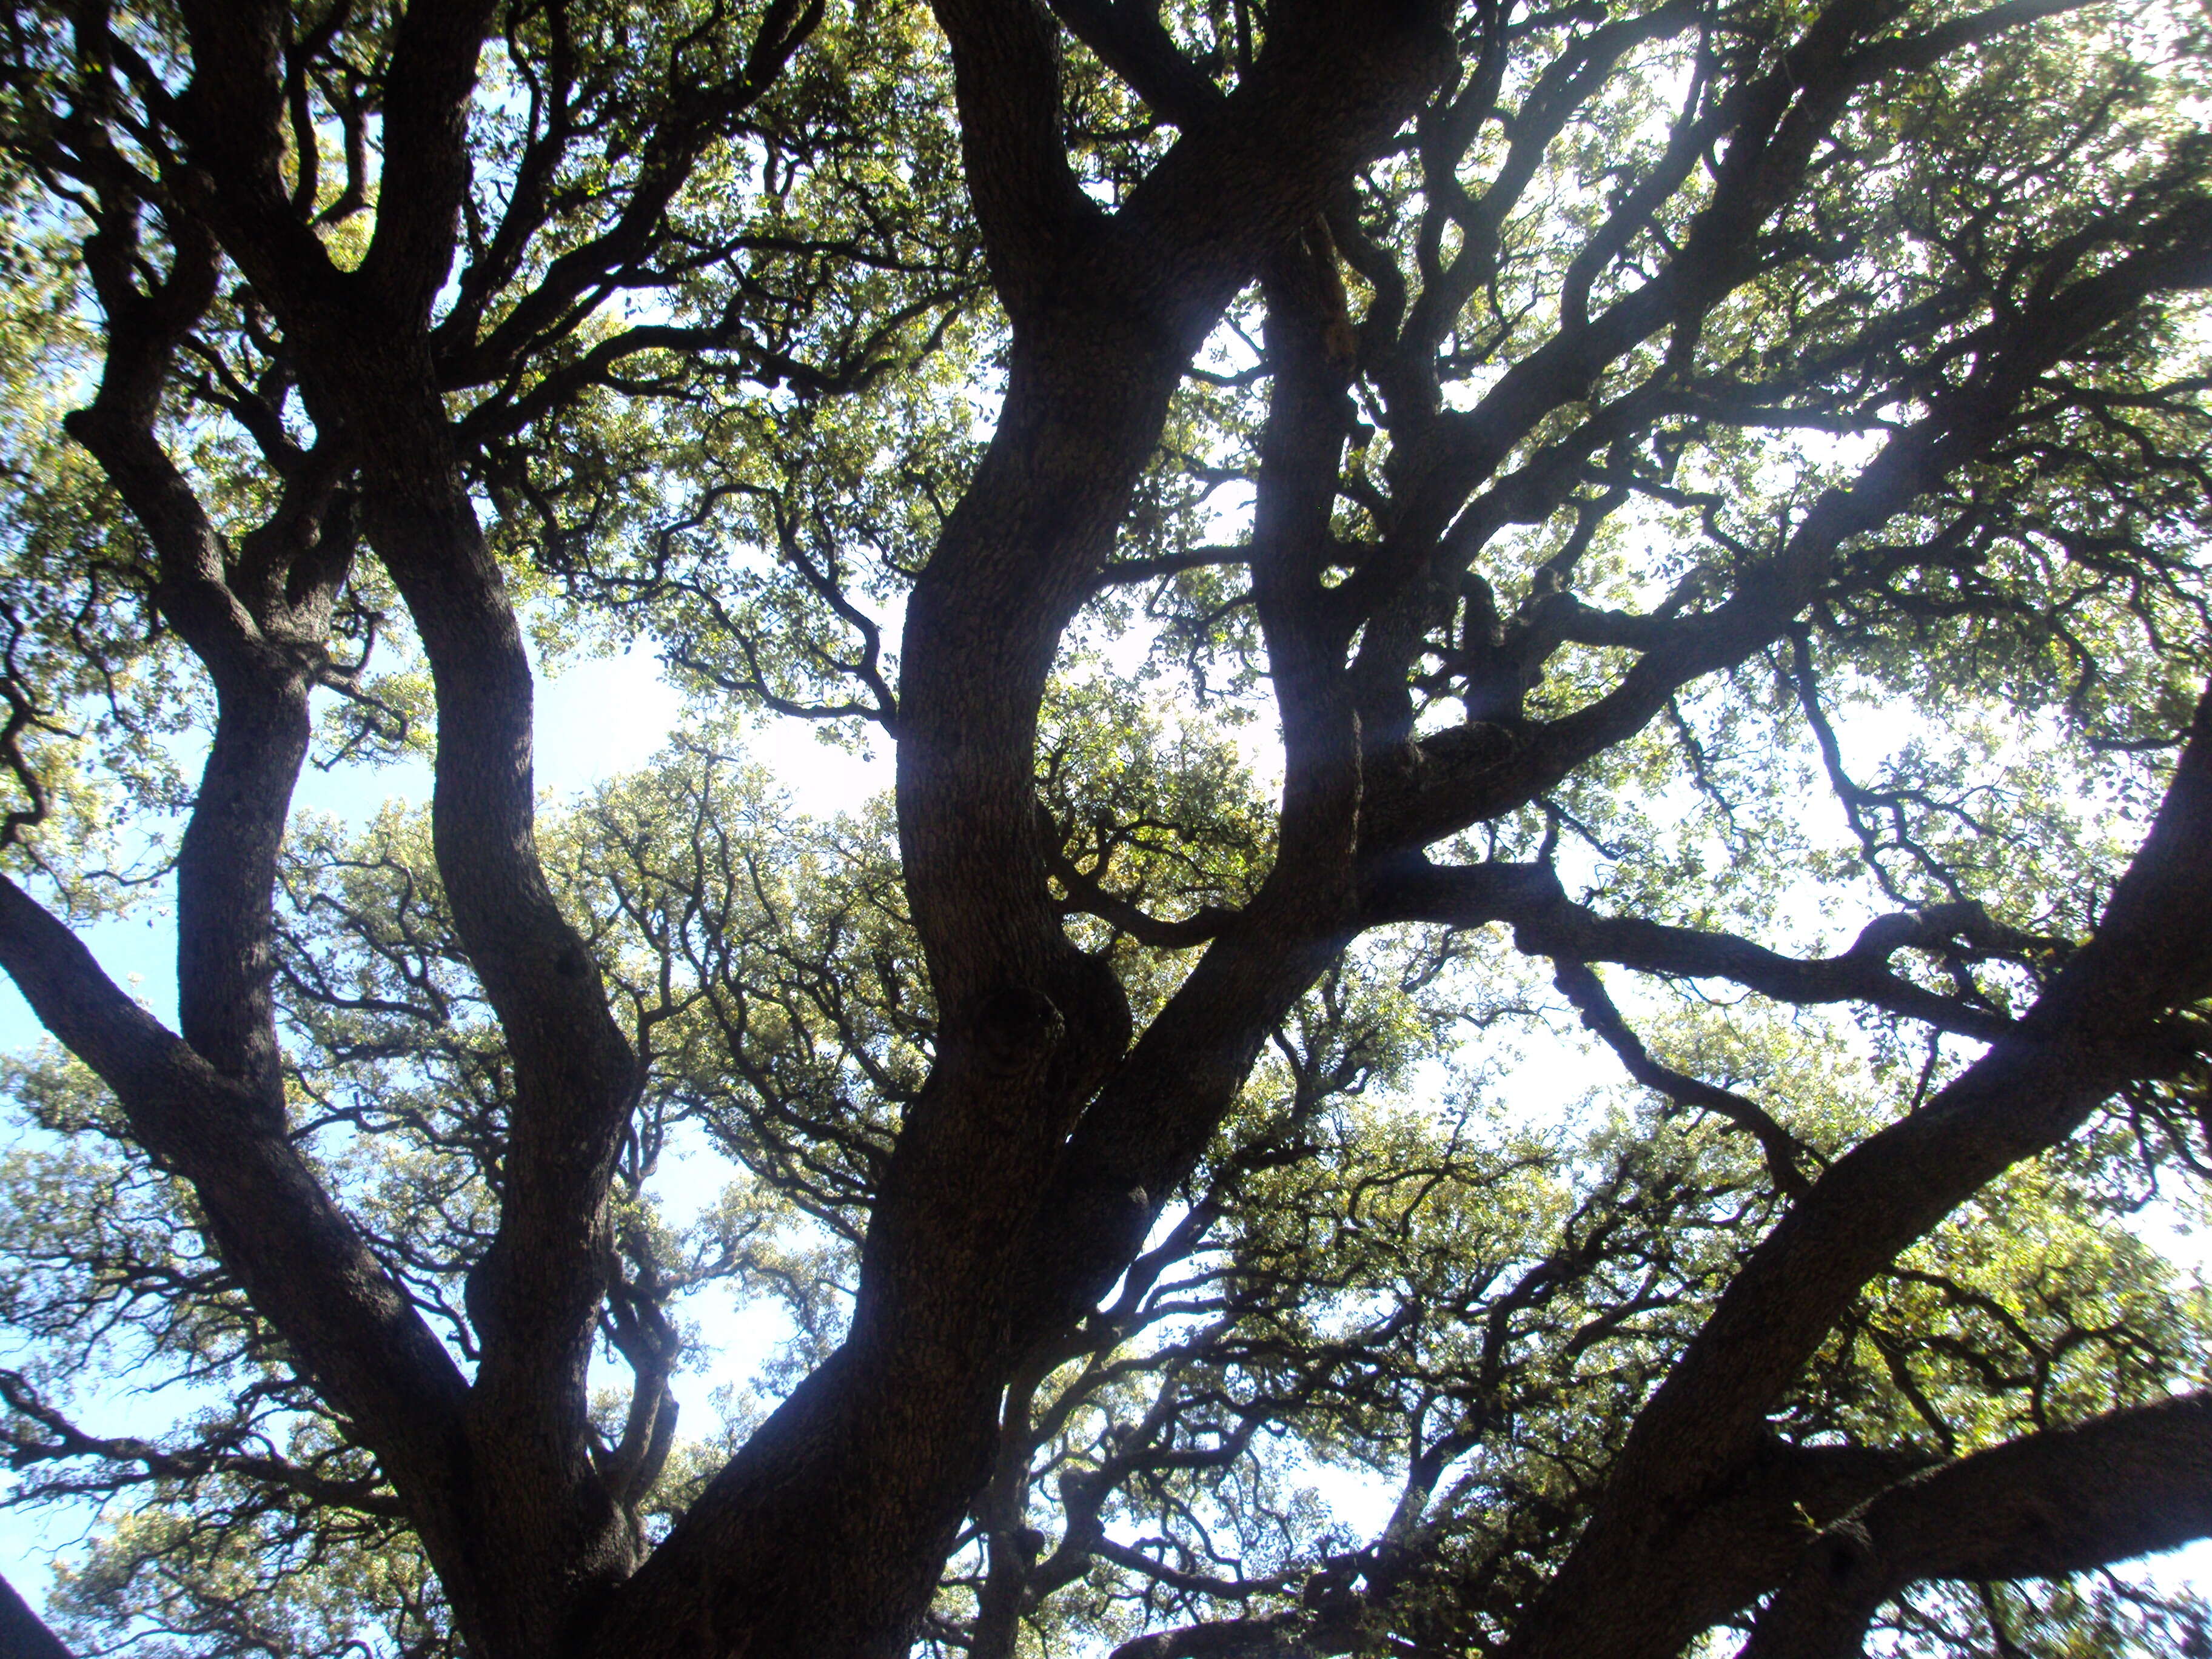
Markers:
{"x": 1380, "y": 537}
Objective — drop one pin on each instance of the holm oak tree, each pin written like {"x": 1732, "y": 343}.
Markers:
{"x": 1377, "y": 534}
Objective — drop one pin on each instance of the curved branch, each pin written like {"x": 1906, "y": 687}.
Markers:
{"x": 1274, "y": 1635}
{"x": 1035, "y": 217}
{"x": 161, "y": 1462}
{"x": 1587, "y": 992}
{"x": 426, "y": 158}
{"x": 2047, "y": 1504}
{"x": 1545, "y": 922}
{"x": 1473, "y": 774}
{"x": 1086, "y": 897}
{"x": 2100, "y": 1022}
{"x": 1130, "y": 40}
{"x": 305, "y": 1267}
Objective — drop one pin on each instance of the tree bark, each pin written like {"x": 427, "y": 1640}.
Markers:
{"x": 2130, "y": 1484}
{"x": 23, "y": 1634}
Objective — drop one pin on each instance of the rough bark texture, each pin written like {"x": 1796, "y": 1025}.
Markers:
{"x": 2132, "y": 1484}
{"x": 23, "y": 1634}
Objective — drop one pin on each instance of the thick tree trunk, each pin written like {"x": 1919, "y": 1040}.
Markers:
{"x": 866, "y": 1471}
{"x": 23, "y": 1634}
{"x": 872, "y": 1464}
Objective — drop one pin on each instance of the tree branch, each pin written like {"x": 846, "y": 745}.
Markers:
{"x": 1263, "y": 1636}
{"x": 305, "y": 1267}
{"x": 1466, "y": 780}
{"x": 161, "y": 1462}
{"x": 2099, "y": 1025}
{"x": 1582, "y": 988}
{"x": 1130, "y": 40}
{"x": 1086, "y": 897}
{"x": 2043, "y": 1506}
{"x": 426, "y": 156}
{"x": 1035, "y": 218}
{"x": 1545, "y": 922}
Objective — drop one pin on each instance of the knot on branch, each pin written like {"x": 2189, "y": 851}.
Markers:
{"x": 1960, "y": 932}
{"x": 1474, "y": 747}
{"x": 483, "y": 1293}
{"x": 1822, "y": 1607}
{"x": 1016, "y": 1028}
{"x": 1844, "y": 1554}
{"x": 1931, "y": 926}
